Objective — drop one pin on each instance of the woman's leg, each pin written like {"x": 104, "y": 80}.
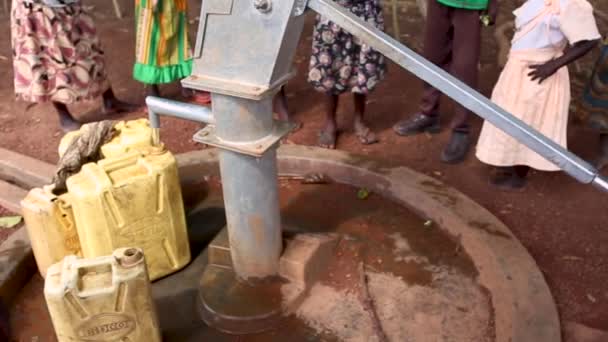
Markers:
{"x": 329, "y": 133}
{"x": 363, "y": 132}
{"x": 66, "y": 120}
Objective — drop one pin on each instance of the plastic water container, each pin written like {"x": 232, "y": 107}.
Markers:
{"x": 51, "y": 227}
{"x": 132, "y": 200}
{"x": 102, "y": 299}
{"x": 131, "y": 197}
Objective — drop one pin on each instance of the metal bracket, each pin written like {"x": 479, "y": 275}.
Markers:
{"x": 256, "y": 148}
{"x": 234, "y": 88}
{"x": 300, "y": 7}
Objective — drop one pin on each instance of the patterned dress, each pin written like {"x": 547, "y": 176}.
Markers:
{"x": 162, "y": 52}
{"x": 339, "y": 61}
{"x": 57, "y": 55}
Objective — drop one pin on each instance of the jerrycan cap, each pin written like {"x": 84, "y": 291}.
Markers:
{"x": 129, "y": 257}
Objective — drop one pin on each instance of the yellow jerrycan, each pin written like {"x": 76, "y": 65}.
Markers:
{"x": 102, "y": 299}
{"x": 51, "y": 227}
{"x": 131, "y": 197}
{"x": 132, "y": 200}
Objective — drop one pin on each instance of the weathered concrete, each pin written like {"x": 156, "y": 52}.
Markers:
{"x": 305, "y": 257}
{"x": 574, "y": 332}
{"x": 24, "y": 171}
{"x": 10, "y": 196}
{"x": 523, "y": 305}
{"x": 16, "y": 264}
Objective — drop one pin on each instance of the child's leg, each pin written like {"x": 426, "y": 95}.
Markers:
{"x": 329, "y": 133}
{"x": 363, "y": 132}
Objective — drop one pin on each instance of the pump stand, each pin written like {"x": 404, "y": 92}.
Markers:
{"x": 243, "y": 55}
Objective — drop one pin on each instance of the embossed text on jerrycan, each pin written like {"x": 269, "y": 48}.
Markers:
{"x": 102, "y": 299}
{"x": 51, "y": 227}
{"x": 132, "y": 200}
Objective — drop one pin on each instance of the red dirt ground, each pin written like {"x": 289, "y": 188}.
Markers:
{"x": 562, "y": 223}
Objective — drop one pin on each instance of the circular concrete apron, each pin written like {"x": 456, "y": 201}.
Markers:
{"x": 523, "y": 306}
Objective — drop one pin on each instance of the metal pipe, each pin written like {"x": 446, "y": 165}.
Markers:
{"x": 460, "y": 92}
{"x": 158, "y": 106}
{"x": 250, "y": 187}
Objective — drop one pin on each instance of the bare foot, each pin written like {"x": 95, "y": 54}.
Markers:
{"x": 328, "y": 137}
{"x": 365, "y": 134}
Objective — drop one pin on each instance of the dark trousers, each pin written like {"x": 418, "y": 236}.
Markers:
{"x": 452, "y": 41}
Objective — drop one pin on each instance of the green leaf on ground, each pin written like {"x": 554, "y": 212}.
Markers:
{"x": 10, "y": 221}
{"x": 362, "y": 194}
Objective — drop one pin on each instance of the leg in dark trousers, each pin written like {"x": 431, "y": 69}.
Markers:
{"x": 438, "y": 41}
{"x": 437, "y": 49}
{"x": 452, "y": 41}
{"x": 465, "y": 58}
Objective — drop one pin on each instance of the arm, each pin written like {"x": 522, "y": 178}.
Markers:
{"x": 543, "y": 71}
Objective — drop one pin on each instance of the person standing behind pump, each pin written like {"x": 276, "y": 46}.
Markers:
{"x": 58, "y": 58}
{"x": 340, "y": 62}
{"x": 452, "y": 41}
{"x": 162, "y": 50}
{"x": 535, "y": 85}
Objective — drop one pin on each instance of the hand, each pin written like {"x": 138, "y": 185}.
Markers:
{"x": 541, "y": 72}
{"x": 492, "y": 11}
{"x": 154, "y": 5}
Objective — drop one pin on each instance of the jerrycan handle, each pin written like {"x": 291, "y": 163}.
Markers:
{"x": 127, "y": 160}
{"x": 95, "y": 277}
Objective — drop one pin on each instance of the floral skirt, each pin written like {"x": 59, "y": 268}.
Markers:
{"x": 57, "y": 55}
{"x": 340, "y": 62}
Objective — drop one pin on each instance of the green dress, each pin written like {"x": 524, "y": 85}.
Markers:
{"x": 162, "y": 51}
{"x": 466, "y": 4}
